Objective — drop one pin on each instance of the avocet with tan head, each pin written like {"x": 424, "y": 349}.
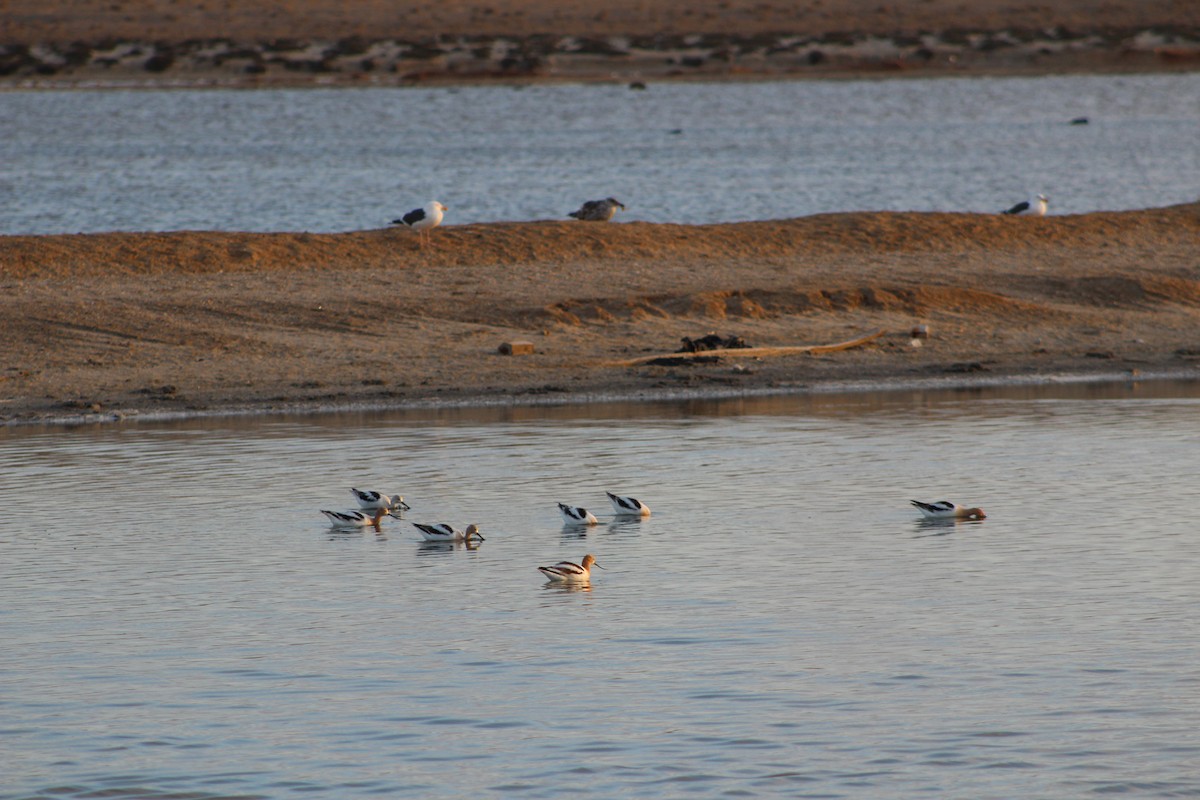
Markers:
{"x": 575, "y": 515}
{"x": 944, "y": 509}
{"x": 371, "y": 500}
{"x": 356, "y": 519}
{"x": 441, "y": 532}
{"x": 570, "y": 572}
{"x": 628, "y": 506}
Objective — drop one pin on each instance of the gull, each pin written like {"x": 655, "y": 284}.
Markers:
{"x": 356, "y": 519}
{"x": 574, "y": 515}
{"x": 1036, "y": 207}
{"x": 371, "y": 500}
{"x": 570, "y": 572}
{"x": 423, "y": 219}
{"x": 441, "y": 532}
{"x": 598, "y": 210}
{"x": 944, "y": 509}
{"x": 628, "y": 506}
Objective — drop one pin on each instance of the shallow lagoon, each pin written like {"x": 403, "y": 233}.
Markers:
{"x": 178, "y": 619}
{"x": 350, "y": 159}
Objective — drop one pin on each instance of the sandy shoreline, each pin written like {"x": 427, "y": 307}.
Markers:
{"x": 108, "y": 326}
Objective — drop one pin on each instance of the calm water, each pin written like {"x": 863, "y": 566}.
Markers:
{"x": 178, "y": 622}
{"x": 346, "y": 159}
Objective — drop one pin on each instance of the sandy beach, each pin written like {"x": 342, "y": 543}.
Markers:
{"x": 108, "y": 326}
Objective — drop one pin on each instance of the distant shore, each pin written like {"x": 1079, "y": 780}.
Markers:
{"x": 160, "y": 43}
{"x": 104, "y": 327}
{"x": 442, "y": 61}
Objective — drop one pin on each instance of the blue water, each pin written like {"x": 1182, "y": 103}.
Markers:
{"x": 178, "y": 621}
{"x": 348, "y": 159}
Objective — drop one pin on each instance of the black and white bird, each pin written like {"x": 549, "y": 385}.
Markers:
{"x": 441, "y": 532}
{"x": 598, "y": 210}
{"x": 423, "y": 219}
{"x": 628, "y": 506}
{"x": 574, "y": 515}
{"x": 371, "y": 500}
{"x": 1034, "y": 208}
{"x": 570, "y": 572}
{"x": 944, "y": 509}
{"x": 356, "y": 519}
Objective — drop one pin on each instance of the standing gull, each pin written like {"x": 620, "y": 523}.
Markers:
{"x": 598, "y": 210}
{"x": 423, "y": 219}
{"x": 1036, "y": 207}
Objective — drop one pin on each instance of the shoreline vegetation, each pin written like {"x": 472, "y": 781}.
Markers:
{"x": 102, "y": 327}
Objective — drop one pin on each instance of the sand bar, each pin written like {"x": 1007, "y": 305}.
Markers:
{"x": 113, "y": 325}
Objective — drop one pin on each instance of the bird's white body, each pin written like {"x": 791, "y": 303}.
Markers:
{"x": 440, "y": 532}
{"x": 356, "y": 519}
{"x": 371, "y": 500}
{"x": 570, "y": 572}
{"x": 574, "y": 515}
{"x": 944, "y": 509}
{"x": 628, "y": 506}
{"x": 424, "y": 219}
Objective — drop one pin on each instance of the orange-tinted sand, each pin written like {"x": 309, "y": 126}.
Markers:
{"x": 207, "y": 321}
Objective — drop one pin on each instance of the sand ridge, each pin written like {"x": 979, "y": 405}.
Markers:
{"x": 120, "y": 323}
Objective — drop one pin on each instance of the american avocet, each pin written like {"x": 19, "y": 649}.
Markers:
{"x": 570, "y": 572}
{"x": 574, "y": 515}
{"x": 598, "y": 210}
{"x": 372, "y": 500}
{"x": 356, "y": 519}
{"x": 423, "y": 219}
{"x": 440, "y": 532}
{"x": 944, "y": 509}
{"x": 1031, "y": 208}
{"x": 628, "y": 506}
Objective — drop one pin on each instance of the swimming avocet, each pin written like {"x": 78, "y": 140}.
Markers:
{"x": 440, "y": 532}
{"x": 372, "y": 500}
{"x": 574, "y": 515}
{"x": 944, "y": 509}
{"x": 356, "y": 519}
{"x": 570, "y": 572}
{"x": 628, "y": 506}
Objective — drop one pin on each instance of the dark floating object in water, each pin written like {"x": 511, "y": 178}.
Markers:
{"x": 711, "y": 342}
{"x": 637, "y": 86}
{"x": 1080, "y": 121}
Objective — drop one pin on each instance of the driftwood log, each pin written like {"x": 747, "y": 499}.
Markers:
{"x": 755, "y": 352}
